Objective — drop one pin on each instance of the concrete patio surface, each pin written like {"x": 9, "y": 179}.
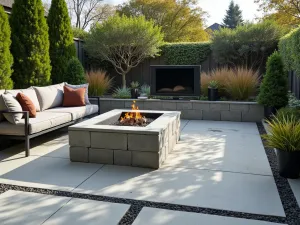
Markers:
{"x": 218, "y": 166}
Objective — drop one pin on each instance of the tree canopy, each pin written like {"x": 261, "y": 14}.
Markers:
{"x": 30, "y": 44}
{"x": 6, "y": 59}
{"x": 62, "y": 47}
{"x": 233, "y": 16}
{"x": 181, "y": 21}
{"x": 124, "y": 42}
{"x": 282, "y": 11}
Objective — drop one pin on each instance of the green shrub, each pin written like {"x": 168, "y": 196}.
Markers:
{"x": 74, "y": 72}
{"x": 99, "y": 82}
{"x": 79, "y": 33}
{"x": 30, "y": 44}
{"x": 134, "y": 84}
{"x": 5, "y": 55}
{"x": 186, "y": 53}
{"x": 62, "y": 47}
{"x": 247, "y": 45}
{"x": 213, "y": 84}
{"x": 273, "y": 90}
{"x": 145, "y": 89}
{"x": 289, "y": 47}
{"x": 286, "y": 113}
{"x": 293, "y": 101}
{"x": 122, "y": 93}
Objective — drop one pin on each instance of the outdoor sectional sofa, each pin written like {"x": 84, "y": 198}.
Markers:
{"x": 50, "y": 113}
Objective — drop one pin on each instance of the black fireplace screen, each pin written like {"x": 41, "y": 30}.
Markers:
{"x": 175, "y": 80}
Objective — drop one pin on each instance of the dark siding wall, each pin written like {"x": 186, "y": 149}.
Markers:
{"x": 294, "y": 84}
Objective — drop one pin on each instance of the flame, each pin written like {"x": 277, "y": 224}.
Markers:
{"x": 133, "y": 115}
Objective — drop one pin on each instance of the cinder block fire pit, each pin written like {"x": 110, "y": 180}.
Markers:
{"x": 116, "y": 137}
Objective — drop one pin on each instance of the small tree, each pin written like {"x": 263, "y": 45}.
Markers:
{"x": 274, "y": 90}
{"x": 233, "y": 16}
{"x": 75, "y": 72}
{"x": 30, "y": 44}
{"x": 6, "y": 59}
{"x": 62, "y": 47}
{"x": 124, "y": 42}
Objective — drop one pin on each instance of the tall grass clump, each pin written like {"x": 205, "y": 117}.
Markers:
{"x": 242, "y": 83}
{"x": 284, "y": 134}
{"x": 205, "y": 78}
{"x": 99, "y": 82}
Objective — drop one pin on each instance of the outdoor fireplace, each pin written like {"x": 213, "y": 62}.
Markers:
{"x": 175, "y": 80}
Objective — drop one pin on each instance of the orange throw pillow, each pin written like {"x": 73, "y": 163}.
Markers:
{"x": 74, "y": 97}
{"x": 26, "y": 104}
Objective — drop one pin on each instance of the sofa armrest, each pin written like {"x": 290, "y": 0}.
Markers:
{"x": 26, "y": 117}
{"x": 98, "y": 102}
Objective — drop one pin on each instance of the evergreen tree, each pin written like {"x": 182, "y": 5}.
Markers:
{"x": 75, "y": 72}
{"x": 233, "y": 16}
{"x": 30, "y": 44}
{"x": 274, "y": 87}
{"x": 62, "y": 47}
{"x": 6, "y": 59}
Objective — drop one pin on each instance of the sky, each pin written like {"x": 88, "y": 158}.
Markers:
{"x": 217, "y": 8}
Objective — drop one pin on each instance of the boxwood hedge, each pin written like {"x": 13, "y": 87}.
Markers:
{"x": 186, "y": 53}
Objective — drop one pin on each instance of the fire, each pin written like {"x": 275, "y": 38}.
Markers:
{"x": 133, "y": 117}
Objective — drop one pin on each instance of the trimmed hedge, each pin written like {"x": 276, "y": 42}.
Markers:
{"x": 289, "y": 48}
{"x": 186, "y": 53}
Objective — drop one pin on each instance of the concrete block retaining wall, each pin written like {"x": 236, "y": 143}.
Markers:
{"x": 193, "y": 109}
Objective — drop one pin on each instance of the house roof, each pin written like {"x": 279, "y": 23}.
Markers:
{"x": 215, "y": 26}
{"x": 7, "y": 3}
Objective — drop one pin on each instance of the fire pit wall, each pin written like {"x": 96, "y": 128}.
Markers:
{"x": 96, "y": 141}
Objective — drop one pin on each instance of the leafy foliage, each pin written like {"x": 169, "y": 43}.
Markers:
{"x": 99, "y": 82}
{"x": 284, "y": 133}
{"x": 122, "y": 93}
{"x": 6, "y": 59}
{"x": 283, "y": 12}
{"x": 289, "y": 47}
{"x": 30, "y": 44}
{"x": 79, "y": 33}
{"x": 247, "y": 45}
{"x": 273, "y": 90}
{"x": 293, "y": 101}
{"x": 74, "y": 72}
{"x": 180, "y": 20}
{"x": 186, "y": 53}
{"x": 213, "y": 84}
{"x": 124, "y": 42}
{"x": 62, "y": 47}
{"x": 233, "y": 16}
{"x": 145, "y": 89}
{"x": 134, "y": 84}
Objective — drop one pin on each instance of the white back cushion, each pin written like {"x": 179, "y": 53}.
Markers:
{"x": 50, "y": 96}
{"x": 30, "y": 93}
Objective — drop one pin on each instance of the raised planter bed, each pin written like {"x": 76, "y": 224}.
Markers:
{"x": 194, "y": 109}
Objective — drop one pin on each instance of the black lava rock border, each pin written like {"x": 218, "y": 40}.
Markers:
{"x": 288, "y": 199}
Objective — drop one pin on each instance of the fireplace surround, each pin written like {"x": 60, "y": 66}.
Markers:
{"x": 179, "y": 80}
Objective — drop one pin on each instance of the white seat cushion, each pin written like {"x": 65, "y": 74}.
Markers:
{"x": 76, "y": 112}
{"x": 43, "y": 121}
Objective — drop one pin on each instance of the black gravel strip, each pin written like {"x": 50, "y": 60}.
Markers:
{"x": 131, "y": 215}
{"x": 289, "y": 202}
{"x": 137, "y": 205}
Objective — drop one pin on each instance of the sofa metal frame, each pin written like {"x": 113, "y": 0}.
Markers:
{"x": 28, "y": 136}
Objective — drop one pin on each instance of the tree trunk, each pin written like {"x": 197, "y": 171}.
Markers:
{"x": 124, "y": 80}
